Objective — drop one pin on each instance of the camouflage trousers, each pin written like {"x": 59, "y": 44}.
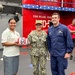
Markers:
{"x": 39, "y": 65}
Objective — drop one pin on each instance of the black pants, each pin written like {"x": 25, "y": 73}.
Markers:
{"x": 73, "y": 42}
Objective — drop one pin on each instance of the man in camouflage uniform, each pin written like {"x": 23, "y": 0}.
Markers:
{"x": 37, "y": 39}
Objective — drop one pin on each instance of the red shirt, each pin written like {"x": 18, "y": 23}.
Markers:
{"x": 72, "y": 27}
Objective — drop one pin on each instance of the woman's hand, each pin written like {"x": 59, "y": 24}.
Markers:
{"x": 17, "y": 44}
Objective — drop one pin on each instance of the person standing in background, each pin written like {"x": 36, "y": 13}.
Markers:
{"x": 37, "y": 39}
{"x": 10, "y": 48}
{"x": 60, "y": 45}
{"x": 72, "y": 31}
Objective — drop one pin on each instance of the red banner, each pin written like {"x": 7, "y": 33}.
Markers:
{"x": 68, "y": 3}
{"x": 43, "y": 2}
{"x": 30, "y": 16}
{"x": 29, "y": 2}
{"x": 73, "y": 5}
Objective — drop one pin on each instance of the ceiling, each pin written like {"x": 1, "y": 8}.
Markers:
{"x": 14, "y": 1}
{"x": 11, "y": 6}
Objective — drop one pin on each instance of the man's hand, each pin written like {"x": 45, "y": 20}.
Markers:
{"x": 67, "y": 55}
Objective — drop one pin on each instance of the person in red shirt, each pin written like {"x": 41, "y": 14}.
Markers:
{"x": 72, "y": 30}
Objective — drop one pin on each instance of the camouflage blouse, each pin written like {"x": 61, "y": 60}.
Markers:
{"x": 38, "y": 43}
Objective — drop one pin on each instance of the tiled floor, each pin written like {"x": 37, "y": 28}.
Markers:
{"x": 25, "y": 67}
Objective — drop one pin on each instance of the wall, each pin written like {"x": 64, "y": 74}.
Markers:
{"x": 4, "y": 24}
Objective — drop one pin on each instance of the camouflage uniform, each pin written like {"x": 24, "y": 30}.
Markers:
{"x": 38, "y": 52}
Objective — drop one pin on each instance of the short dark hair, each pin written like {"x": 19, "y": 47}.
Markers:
{"x": 11, "y": 19}
{"x": 55, "y": 13}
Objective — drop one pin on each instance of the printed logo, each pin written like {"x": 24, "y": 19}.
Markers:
{"x": 60, "y": 31}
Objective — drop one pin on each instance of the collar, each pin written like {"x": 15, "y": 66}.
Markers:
{"x": 10, "y": 30}
{"x": 56, "y": 26}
